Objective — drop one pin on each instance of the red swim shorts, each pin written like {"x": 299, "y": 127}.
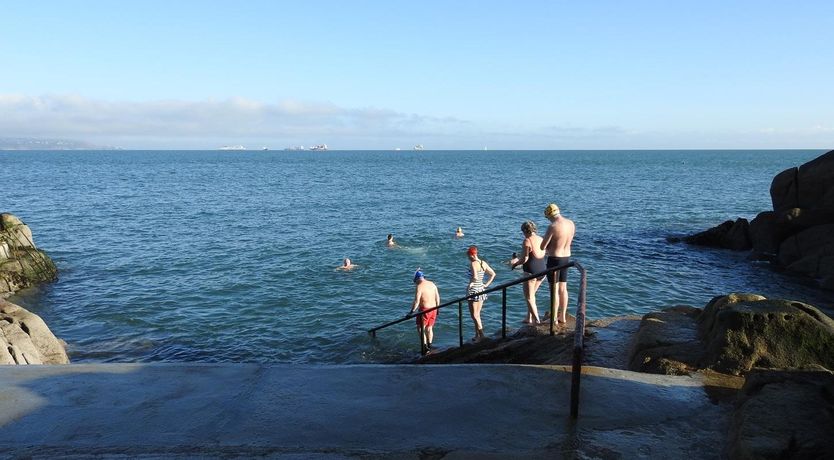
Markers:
{"x": 428, "y": 318}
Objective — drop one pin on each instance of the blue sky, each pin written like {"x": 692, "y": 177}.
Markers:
{"x": 452, "y": 75}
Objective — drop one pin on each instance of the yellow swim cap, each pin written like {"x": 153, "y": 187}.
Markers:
{"x": 551, "y": 210}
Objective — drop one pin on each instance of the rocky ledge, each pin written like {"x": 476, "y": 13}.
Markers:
{"x": 775, "y": 357}
{"x": 798, "y": 234}
{"x": 24, "y": 337}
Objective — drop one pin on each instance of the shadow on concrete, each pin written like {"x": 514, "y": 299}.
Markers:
{"x": 426, "y": 411}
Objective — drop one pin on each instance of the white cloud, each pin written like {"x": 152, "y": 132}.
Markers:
{"x": 70, "y": 116}
{"x": 212, "y": 123}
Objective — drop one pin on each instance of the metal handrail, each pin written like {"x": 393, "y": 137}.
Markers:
{"x": 578, "y": 334}
{"x": 500, "y": 287}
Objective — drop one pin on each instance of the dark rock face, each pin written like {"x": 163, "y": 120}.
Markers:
{"x": 784, "y": 414}
{"x": 728, "y": 235}
{"x": 765, "y": 234}
{"x": 799, "y": 233}
{"x": 734, "y": 334}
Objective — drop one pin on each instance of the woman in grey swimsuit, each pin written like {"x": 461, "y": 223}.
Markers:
{"x": 532, "y": 260}
{"x": 477, "y": 268}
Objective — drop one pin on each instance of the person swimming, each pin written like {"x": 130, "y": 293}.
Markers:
{"x": 390, "y": 242}
{"x": 459, "y": 233}
{"x": 346, "y": 265}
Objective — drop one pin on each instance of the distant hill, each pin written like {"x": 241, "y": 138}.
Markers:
{"x": 25, "y": 143}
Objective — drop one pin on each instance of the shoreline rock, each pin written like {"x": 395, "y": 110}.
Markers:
{"x": 24, "y": 337}
{"x": 798, "y": 234}
{"x": 22, "y": 264}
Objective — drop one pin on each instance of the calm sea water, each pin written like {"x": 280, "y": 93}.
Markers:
{"x": 231, "y": 256}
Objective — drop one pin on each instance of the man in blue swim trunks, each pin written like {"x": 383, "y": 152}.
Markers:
{"x": 556, "y": 244}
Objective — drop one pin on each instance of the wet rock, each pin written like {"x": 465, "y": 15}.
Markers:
{"x": 741, "y": 332}
{"x": 728, "y": 235}
{"x": 25, "y": 338}
{"x": 784, "y": 414}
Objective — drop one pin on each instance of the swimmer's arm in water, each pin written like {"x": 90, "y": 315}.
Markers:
{"x": 525, "y": 254}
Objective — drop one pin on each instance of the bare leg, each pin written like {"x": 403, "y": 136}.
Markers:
{"x": 429, "y": 335}
{"x": 529, "y": 318}
{"x": 475, "y": 312}
{"x": 530, "y": 288}
{"x": 563, "y": 301}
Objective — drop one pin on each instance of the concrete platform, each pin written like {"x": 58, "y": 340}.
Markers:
{"x": 375, "y": 411}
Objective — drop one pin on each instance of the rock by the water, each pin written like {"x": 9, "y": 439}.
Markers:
{"x": 784, "y": 414}
{"x": 817, "y": 240}
{"x": 799, "y": 232}
{"x": 732, "y": 335}
{"x": 21, "y": 263}
{"x": 765, "y": 234}
{"x": 25, "y": 338}
{"x": 667, "y": 342}
{"x": 741, "y": 332}
{"x": 728, "y": 235}
{"x": 783, "y": 192}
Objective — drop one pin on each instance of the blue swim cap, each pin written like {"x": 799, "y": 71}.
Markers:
{"x": 418, "y": 274}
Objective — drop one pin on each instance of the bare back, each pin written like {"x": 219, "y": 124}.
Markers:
{"x": 559, "y": 236}
{"x": 426, "y": 295}
{"x": 532, "y": 244}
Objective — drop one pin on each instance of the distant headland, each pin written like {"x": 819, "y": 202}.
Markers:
{"x": 29, "y": 143}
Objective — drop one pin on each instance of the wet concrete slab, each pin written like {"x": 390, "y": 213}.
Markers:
{"x": 368, "y": 411}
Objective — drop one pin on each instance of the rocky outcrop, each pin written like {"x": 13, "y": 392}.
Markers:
{"x": 732, "y": 335}
{"x": 784, "y": 414}
{"x": 21, "y": 263}
{"x": 798, "y": 234}
{"x": 25, "y": 338}
{"x": 728, "y": 235}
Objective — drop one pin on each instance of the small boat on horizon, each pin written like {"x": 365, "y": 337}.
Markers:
{"x": 318, "y": 148}
{"x": 232, "y": 147}
{"x": 418, "y": 147}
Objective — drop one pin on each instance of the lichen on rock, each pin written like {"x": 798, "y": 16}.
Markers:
{"x": 22, "y": 264}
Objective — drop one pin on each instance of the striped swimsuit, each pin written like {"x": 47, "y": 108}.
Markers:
{"x": 477, "y": 285}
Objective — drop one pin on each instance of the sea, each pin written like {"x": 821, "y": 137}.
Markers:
{"x": 232, "y": 256}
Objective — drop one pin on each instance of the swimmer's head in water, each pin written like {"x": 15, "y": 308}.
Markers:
{"x": 390, "y": 237}
{"x": 347, "y": 262}
{"x": 473, "y": 251}
{"x": 529, "y": 227}
{"x": 418, "y": 275}
{"x": 551, "y": 210}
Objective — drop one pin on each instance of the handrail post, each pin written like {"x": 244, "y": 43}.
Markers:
{"x": 553, "y": 305}
{"x": 578, "y": 342}
{"x": 422, "y": 337}
{"x": 504, "y": 313}
{"x": 460, "y": 322}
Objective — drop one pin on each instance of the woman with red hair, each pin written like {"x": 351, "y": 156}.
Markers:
{"x": 477, "y": 268}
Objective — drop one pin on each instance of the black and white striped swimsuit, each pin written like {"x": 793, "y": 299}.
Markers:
{"x": 477, "y": 285}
